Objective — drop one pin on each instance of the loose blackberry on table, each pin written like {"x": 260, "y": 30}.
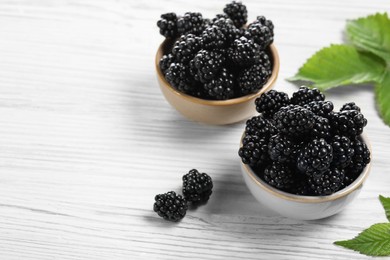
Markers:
{"x": 170, "y": 206}
{"x": 197, "y": 187}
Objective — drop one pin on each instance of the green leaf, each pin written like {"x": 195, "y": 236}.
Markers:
{"x": 382, "y": 91}
{"x": 339, "y": 65}
{"x": 386, "y": 204}
{"x": 371, "y": 33}
{"x": 374, "y": 241}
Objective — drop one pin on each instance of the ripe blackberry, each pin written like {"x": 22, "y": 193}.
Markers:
{"x": 197, "y": 187}
{"x": 170, "y": 206}
{"x": 166, "y": 61}
{"x": 327, "y": 183}
{"x": 360, "y": 158}
{"x": 251, "y": 80}
{"x": 190, "y": 23}
{"x": 348, "y": 122}
{"x": 177, "y": 76}
{"x": 281, "y": 148}
{"x": 279, "y": 176}
{"x": 217, "y": 17}
{"x": 305, "y": 95}
{"x": 320, "y": 108}
{"x": 350, "y": 106}
{"x": 263, "y": 59}
{"x": 167, "y": 25}
{"x": 342, "y": 151}
{"x": 254, "y": 150}
{"x": 321, "y": 128}
{"x": 315, "y": 157}
{"x": 259, "y": 126}
{"x": 244, "y": 52}
{"x": 206, "y": 65}
{"x": 263, "y": 21}
{"x": 270, "y": 102}
{"x": 213, "y": 38}
{"x": 237, "y": 12}
{"x": 186, "y": 47}
{"x": 228, "y": 29}
{"x": 221, "y": 87}
{"x": 294, "y": 120}
{"x": 261, "y": 34}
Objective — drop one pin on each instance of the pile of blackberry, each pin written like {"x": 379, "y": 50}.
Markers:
{"x": 218, "y": 58}
{"x": 302, "y": 146}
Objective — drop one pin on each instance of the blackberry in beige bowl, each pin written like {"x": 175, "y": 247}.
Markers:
{"x": 212, "y": 70}
{"x": 302, "y": 158}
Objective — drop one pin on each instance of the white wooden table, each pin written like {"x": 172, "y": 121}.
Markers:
{"x": 87, "y": 140}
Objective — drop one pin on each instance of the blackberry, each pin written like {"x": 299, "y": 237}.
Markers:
{"x": 261, "y": 34}
{"x": 263, "y": 21}
{"x": 259, "y": 126}
{"x": 342, "y": 151}
{"x": 254, "y": 150}
{"x": 321, "y": 128}
{"x": 206, "y": 65}
{"x": 190, "y": 23}
{"x": 170, "y": 206}
{"x": 237, "y": 12}
{"x": 166, "y": 61}
{"x": 305, "y": 95}
{"x": 222, "y": 86}
{"x": 348, "y": 122}
{"x": 219, "y": 16}
{"x": 213, "y": 38}
{"x": 360, "y": 158}
{"x": 320, "y": 108}
{"x": 279, "y": 176}
{"x": 244, "y": 52}
{"x": 228, "y": 29}
{"x": 197, "y": 187}
{"x": 281, "y": 148}
{"x": 263, "y": 59}
{"x": 168, "y": 25}
{"x": 177, "y": 76}
{"x": 315, "y": 157}
{"x": 251, "y": 80}
{"x": 294, "y": 120}
{"x": 186, "y": 47}
{"x": 327, "y": 183}
{"x": 350, "y": 106}
{"x": 270, "y": 102}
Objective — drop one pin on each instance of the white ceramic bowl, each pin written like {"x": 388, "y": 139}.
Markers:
{"x": 303, "y": 207}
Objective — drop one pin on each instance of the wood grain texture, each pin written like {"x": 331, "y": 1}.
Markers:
{"x": 87, "y": 140}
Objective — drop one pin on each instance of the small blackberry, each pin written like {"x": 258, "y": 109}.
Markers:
{"x": 360, "y": 158}
{"x": 254, "y": 150}
{"x": 178, "y": 77}
{"x": 167, "y": 25}
{"x": 166, "y": 61}
{"x": 228, "y": 29}
{"x": 190, "y": 23}
{"x": 221, "y": 87}
{"x": 342, "y": 151}
{"x": 244, "y": 52}
{"x": 320, "y": 108}
{"x": 206, "y": 65}
{"x": 237, "y": 12}
{"x": 305, "y": 95}
{"x": 348, "y": 122}
{"x": 279, "y": 176}
{"x": 197, "y": 187}
{"x": 270, "y": 102}
{"x": 251, "y": 80}
{"x": 259, "y": 126}
{"x": 321, "y": 128}
{"x": 170, "y": 206}
{"x": 294, "y": 120}
{"x": 350, "y": 106}
{"x": 281, "y": 148}
{"x": 213, "y": 38}
{"x": 315, "y": 157}
{"x": 261, "y": 34}
{"x": 327, "y": 183}
{"x": 186, "y": 47}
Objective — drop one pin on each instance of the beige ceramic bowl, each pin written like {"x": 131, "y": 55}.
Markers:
{"x": 303, "y": 207}
{"x": 213, "y": 111}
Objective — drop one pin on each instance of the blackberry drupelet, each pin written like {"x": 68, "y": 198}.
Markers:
{"x": 342, "y": 151}
{"x": 270, "y": 102}
{"x": 186, "y": 47}
{"x": 206, "y": 65}
{"x": 168, "y": 25}
{"x": 251, "y": 80}
{"x": 315, "y": 157}
{"x": 350, "y": 106}
{"x": 279, "y": 176}
{"x": 321, "y": 128}
{"x": 197, "y": 187}
{"x": 360, "y": 158}
{"x": 320, "y": 108}
{"x": 221, "y": 87}
{"x": 305, "y": 95}
{"x": 294, "y": 120}
{"x": 170, "y": 206}
{"x": 327, "y": 183}
{"x": 237, "y": 12}
{"x": 281, "y": 148}
{"x": 190, "y": 22}
{"x": 254, "y": 151}
{"x": 348, "y": 122}
{"x": 261, "y": 34}
{"x": 259, "y": 126}
{"x": 165, "y": 62}
{"x": 244, "y": 52}
{"x": 177, "y": 76}
{"x": 213, "y": 38}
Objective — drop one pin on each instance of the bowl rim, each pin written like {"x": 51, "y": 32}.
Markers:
{"x": 311, "y": 199}
{"x": 270, "y": 82}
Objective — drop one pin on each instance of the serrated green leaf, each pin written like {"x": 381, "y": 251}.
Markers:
{"x": 339, "y": 65}
{"x": 374, "y": 241}
{"x": 371, "y": 33}
{"x": 382, "y": 91}
{"x": 386, "y": 205}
